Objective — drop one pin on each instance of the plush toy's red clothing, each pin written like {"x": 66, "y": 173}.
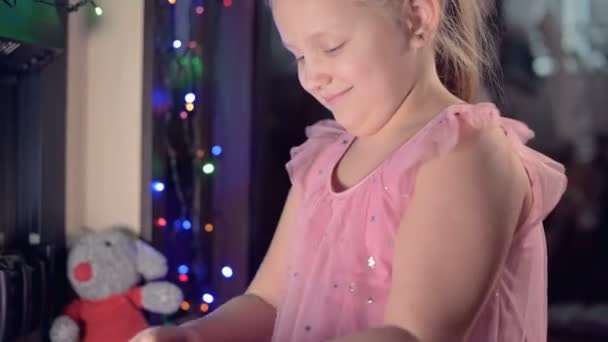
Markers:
{"x": 116, "y": 319}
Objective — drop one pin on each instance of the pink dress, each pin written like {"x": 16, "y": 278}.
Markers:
{"x": 332, "y": 291}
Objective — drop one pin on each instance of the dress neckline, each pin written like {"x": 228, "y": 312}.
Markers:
{"x": 346, "y": 140}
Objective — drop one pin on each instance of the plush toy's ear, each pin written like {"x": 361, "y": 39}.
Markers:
{"x": 150, "y": 263}
{"x": 80, "y": 234}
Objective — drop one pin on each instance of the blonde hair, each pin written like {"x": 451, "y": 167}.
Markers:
{"x": 464, "y": 47}
{"x": 465, "y": 51}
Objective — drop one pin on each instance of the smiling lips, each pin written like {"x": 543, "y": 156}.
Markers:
{"x": 330, "y": 99}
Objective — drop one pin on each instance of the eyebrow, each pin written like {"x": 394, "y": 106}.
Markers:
{"x": 313, "y": 36}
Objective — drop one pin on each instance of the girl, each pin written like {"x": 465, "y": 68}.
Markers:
{"x": 414, "y": 216}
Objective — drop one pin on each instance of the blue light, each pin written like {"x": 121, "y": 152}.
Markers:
{"x": 183, "y": 269}
{"x": 227, "y": 272}
{"x": 190, "y": 98}
{"x": 177, "y": 224}
{"x": 158, "y": 186}
{"x": 187, "y": 225}
{"x": 216, "y": 150}
{"x": 207, "y": 298}
{"x": 177, "y": 44}
{"x": 160, "y": 98}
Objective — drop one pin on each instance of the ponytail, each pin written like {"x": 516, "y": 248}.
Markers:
{"x": 465, "y": 51}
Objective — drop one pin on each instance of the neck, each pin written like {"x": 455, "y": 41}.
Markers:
{"x": 426, "y": 98}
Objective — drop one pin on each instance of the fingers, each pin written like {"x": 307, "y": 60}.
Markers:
{"x": 161, "y": 334}
{"x": 144, "y": 336}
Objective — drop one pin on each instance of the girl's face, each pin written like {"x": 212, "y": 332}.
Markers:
{"x": 353, "y": 57}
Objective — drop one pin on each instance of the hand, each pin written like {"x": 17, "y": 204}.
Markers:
{"x": 64, "y": 329}
{"x": 167, "y": 334}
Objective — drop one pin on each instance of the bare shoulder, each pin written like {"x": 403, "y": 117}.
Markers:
{"x": 483, "y": 162}
{"x": 455, "y": 235}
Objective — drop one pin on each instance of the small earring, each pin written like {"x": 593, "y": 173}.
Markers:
{"x": 420, "y": 36}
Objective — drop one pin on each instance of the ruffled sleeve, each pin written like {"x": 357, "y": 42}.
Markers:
{"x": 548, "y": 181}
{"x": 441, "y": 135}
{"x": 319, "y": 137}
{"x": 444, "y": 132}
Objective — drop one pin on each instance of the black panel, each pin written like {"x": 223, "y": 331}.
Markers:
{"x": 8, "y": 159}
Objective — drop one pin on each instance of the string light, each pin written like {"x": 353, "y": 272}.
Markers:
{"x": 190, "y": 98}
{"x": 208, "y": 168}
{"x": 227, "y": 272}
{"x": 216, "y": 150}
{"x": 185, "y": 54}
{"x": 208, "y": 298}
{"x": 161, "y": 222}
{"x": 183, "y": 269}
{"x": 158, "y": 186}
{"x": 185, "y": 306}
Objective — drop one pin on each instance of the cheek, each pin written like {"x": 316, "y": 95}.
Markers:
{"x": 370, "y": 67}
{"x": 301, "y": 79}
{"x": 347, "y": 74}
{"x": 375, "y": 81}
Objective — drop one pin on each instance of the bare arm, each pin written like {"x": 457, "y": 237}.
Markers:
{"x": 249, "y": 317}
{"x": 243, "y": 318}
{"x": 452, "y": 241}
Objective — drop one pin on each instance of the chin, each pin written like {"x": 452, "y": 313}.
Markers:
{"x": 353, "y": 120}
{"x": 343, "y": 119}
{"x": 351, "y": 126}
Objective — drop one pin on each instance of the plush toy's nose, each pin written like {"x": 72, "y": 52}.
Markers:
{"x": 83, "y": 272}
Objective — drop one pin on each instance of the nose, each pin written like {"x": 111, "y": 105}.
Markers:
{"x": 314, "y": 77}
{"x": 83, "y": 272}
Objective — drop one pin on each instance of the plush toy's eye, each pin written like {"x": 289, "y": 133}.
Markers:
{"x": 108, "y": 243}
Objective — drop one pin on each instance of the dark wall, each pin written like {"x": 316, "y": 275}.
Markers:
{"x": 282, "y": 110}
{"x": 8, "y": 159}
{"x": 32, "y": 194}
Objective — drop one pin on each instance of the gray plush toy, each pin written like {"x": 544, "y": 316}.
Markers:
{"x": 104, "y": 269}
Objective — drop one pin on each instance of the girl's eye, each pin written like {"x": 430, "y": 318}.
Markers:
{"x": 335, "y": 49}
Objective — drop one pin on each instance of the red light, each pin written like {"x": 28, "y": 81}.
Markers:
{"x": 161, "y": 222}
{"x": 183, "y": 278}
{"x": 227, "y": 3}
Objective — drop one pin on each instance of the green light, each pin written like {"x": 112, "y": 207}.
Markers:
{"x": 98, "y": 10}
{"x": 208, "y": 168}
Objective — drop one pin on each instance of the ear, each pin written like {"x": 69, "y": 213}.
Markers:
{"x": 422, "y": 20}
{"x": 150, "y": 263}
